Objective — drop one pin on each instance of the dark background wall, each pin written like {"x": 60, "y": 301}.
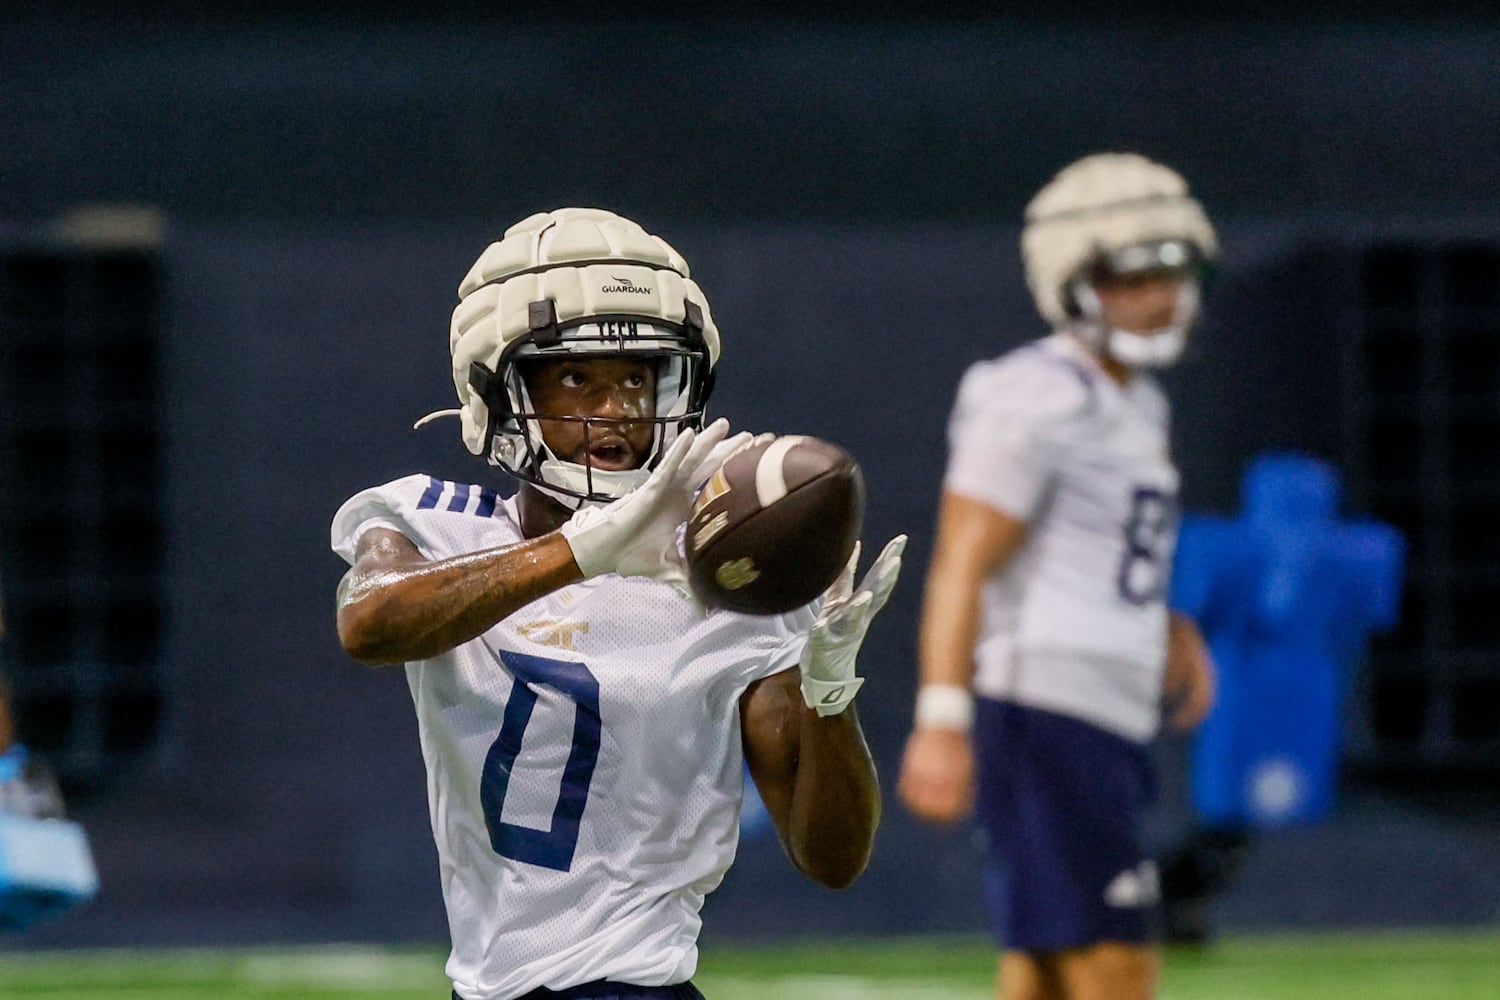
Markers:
{"x": 847, "y": 188}
{"x": 445, "y": 112}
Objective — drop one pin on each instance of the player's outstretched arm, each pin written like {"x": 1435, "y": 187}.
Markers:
{"x": 803, "y": 742}
{"x": 974, "y": 540}
{"x": 816, "y": 777}
{"x": 396, "y": 605}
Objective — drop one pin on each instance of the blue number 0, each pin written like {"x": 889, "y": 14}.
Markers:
{"x": 551, "y": 848}
{"x": 1148, "y": 535}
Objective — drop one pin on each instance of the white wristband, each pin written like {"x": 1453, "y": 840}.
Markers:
{"x": 945, "y": 706}
{"x": 829, "y": 697}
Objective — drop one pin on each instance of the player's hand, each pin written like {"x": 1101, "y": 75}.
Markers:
{"x": 637, "y": 534}
{"x": 828, "y": 681}
{"x": 937, "y": 774}
{"x": 1189, "y": 680}
{"x": 727, "y": 449}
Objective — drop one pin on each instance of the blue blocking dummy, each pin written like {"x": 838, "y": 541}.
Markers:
{"x": 1287, "y": 596}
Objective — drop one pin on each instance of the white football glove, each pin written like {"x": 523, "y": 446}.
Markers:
{"x": 828, "y": 681}
{"x": 636, "y": 535}
{"x": 727, "y": 449}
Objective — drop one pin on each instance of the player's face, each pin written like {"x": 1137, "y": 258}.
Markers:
{"x": 617, "y": 398}
{"x": 1141, "y": 302}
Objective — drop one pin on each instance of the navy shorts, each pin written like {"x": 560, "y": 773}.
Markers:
{"x": 1060, "y": 803}
{"x": 603, "y": 989}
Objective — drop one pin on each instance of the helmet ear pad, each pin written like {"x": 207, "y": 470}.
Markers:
{"x": 1069, "y": 299}
{"x": 489, "y": 385}
{"x": 490, "y": 388}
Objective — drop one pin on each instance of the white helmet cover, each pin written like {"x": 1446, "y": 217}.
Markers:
{"x": 576, "y": 282}
{"x": 1100, "y": 208}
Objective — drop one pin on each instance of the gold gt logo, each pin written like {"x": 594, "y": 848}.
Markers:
{"x": 553, "y": 632}
{"x": 736, "y": 573}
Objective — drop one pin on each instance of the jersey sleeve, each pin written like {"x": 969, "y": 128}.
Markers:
{"x": 1004, "y": 433}
{"x": 792, "y": 630}
{"x": 766, "y": 645}
{"x": 389, "y": 506}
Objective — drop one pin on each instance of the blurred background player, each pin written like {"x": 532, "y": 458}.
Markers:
{"x": 7, "y": 725}
{"x": 1046, "y": 594}
{"x": 27, "y": 786}
{"x": 46, "y": 866}
{"x": 583, "y": 720}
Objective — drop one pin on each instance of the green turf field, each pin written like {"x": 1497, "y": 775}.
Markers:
{"x": 1385, "y": 966}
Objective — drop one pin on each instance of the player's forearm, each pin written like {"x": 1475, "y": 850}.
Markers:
{"x": 950, "y": 625}
{"x": 974, "y": 543}
{"x": 1181, "y": 626}
{"x": 413, "y": 612}
{"x": 835, "y": 807}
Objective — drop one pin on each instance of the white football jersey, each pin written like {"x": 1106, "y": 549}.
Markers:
{"x": 584, "y": 765}
{"x": 1077, "y": 622}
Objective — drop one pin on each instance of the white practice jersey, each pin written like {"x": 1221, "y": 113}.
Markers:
{"x": 1077, "y": 622}
{"x": 584, "y": 766}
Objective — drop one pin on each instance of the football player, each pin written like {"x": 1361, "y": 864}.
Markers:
{"x": 585, "y": 723}
{"x": 1045, "y": 597}
{"x": 27, "y": 785}
{"x": 46, "y": 866}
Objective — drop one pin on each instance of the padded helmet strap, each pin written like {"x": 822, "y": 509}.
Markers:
{"x": 542, "y": 323}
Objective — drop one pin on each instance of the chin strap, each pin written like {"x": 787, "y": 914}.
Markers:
{"x": 569, "y": 478}
{"x": 1157, "y": 349}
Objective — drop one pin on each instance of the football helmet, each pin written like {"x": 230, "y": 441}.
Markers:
{"x": 576, "y": 282}
{"x": 1117, "y": 214}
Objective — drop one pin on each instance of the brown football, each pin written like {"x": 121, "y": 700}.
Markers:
{"x": 772, "y": 528}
